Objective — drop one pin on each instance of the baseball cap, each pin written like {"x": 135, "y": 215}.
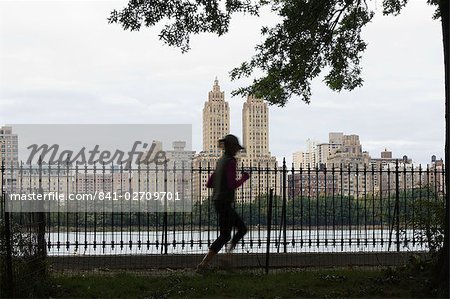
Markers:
{"x": 230, "y": 140}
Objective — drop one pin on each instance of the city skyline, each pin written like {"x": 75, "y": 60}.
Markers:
{"x": 217, "y": 99}
{"x": 75, "y": 65}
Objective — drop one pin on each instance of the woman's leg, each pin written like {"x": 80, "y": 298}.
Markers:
{"x": 241, "y": 229}
{"x": 206, "y": 259}
{"x": 225, "y": 222}
{"x": 225, "y": 215}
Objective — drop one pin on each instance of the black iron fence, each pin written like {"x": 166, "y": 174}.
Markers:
{"x": 390, "y": 206}
{"x": 381, "y": 207}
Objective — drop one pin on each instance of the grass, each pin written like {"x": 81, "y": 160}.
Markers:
{"x": 323, "y": 283}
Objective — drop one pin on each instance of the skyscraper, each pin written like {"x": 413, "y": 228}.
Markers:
{"x": 255, "y": 120}
{"x": 216, "y": 120}
{"x": 9, "y": 147}
{"x": 216, "y": 124}
{"x": 255, "y": 131}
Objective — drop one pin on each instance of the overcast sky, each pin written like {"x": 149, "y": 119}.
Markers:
{"x": 61, "y": 62}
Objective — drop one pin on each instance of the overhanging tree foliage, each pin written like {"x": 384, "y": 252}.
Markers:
{"x": 327, "y": 32}
{"x": 312, "y": 36}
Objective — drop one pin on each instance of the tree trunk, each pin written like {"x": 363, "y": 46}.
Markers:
{"x": 443, "y": 262}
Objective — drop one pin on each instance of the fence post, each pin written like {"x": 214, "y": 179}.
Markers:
{"x": 269, "y": 227}
{"x": 41, "y": 249}
{"x": 284, "y": 212}
{"x": 397, "y": 206}
{"x": 165, "y": 224}
{"x": 9, "y": 291}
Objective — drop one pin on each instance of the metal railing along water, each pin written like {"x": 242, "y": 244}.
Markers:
{"x": 324, "y": 208}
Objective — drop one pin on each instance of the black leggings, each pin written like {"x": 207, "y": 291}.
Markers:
{"x": 227, "y": 219}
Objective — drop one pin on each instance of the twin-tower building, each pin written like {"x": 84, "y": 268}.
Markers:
{"x": 255, "y": 139}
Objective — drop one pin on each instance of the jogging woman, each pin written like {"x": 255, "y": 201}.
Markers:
{"x": 224, "y": 182}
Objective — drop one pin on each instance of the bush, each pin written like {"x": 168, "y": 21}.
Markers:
{"x": 29, "y": 265}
